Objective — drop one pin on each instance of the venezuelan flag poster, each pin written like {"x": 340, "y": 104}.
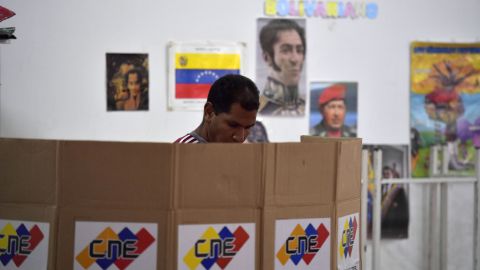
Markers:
{"x": 445, "y": 105}
{"x": 193, "y": 67}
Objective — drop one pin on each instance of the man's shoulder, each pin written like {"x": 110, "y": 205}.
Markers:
{"x": 188, "y": 138}
{"x": 349, "y": 131}
{"x": 192, "y": 137}
{"x": 319, "y": 130}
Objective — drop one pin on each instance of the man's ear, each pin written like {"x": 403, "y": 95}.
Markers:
{"x": 267, "y": 58}
{"x": 208, "y": 111}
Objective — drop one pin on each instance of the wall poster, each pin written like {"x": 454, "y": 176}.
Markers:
{"x": 127, "y": 82}
{"x": 444, "y": 100}
{"x": 395, "y": 214}
{"x": 333, "y": 109}
{"x": 281, "y": 50}
{"x": 194, "y": 66}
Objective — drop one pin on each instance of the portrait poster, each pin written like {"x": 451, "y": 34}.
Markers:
{"x": 127, "y": 82}
{"x": 444, "y": 104}
{"x": 395, "y": 202}
{"x": 281, "y": 67}
{"x": 333, "y": 109}
{"x": 194, "y": 66}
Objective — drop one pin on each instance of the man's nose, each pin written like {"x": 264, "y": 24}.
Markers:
{"x": 240, "y": 135}
{"x": 296, "y": 57}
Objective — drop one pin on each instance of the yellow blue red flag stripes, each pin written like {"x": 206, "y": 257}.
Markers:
{"x": 196, "y": 72}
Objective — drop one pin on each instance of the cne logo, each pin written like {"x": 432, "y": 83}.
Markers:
{"x": 216, "y": 247}
{"x": 17, "y": 244}
{"x": 348, "y": 237}
{"x": 111, "y": 248}
{"x": 303, "y": 244}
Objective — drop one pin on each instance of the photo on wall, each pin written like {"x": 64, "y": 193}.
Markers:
{"x": 395, "y": 217}
{"x": 281, "y": 68}
{"x": 194, "y": 66}
{"x": 444, "y": 105}
{"x": 333, "y": 109}
{"x": 127, "y": 82}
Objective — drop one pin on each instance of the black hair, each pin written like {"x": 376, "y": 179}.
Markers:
{"x": 134, "y": 71}
{"x": 268, "y": 34}
{"x": 233, "y": 88}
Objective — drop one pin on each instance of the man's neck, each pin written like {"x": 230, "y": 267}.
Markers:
{"x": 201, "y": 131}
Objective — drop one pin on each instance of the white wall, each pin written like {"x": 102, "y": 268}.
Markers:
{"x": 53, "y": 76}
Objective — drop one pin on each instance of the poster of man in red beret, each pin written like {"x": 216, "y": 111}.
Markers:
{"x": 333, "y": 109}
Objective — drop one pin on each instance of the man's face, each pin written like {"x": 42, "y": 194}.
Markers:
{"x": 133, "y": 84}
{"x": 288, "y": 57}
{"x": 334, "y": 114}
{"x": 387, "y": 173}
{"x": 230, "y": 127}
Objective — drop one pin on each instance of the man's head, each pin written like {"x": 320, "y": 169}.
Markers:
{"x": 231, "y": 109}
{"x": 387, "y": 172}
{"x": 133, "y": 79}
{"x": 283, "y": 45}
{"x": 332, "y": 106}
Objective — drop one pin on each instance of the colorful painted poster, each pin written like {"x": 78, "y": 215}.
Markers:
{"x": 216, "y": 246}
{"x": 127, "y": 82}
{"x": 24, "y": 244}
{"x": 348, "y": 242}
{"x": 445, "y": 104}
{"x": 302, "y": 244}
{"x": 281, "y": 67}
{"x": 193, "y": 67}
{"x": 395, "y": 216}
{"x": 115, "y": 245}
{"x": 333, "y": 109}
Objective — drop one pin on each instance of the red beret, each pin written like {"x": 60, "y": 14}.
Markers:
{"x": 336, "y": 91}
{"x": 442, "y": 96}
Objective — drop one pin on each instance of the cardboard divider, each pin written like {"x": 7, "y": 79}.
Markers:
{"x": 177, "y": 206}
{"x": 113, "y": 174}
{"x": 218, "y": 176}
{"x": 28, "y": 171}
{"x": 304, "y": 175}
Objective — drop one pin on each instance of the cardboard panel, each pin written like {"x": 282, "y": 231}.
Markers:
{"x": 304, "y": 175}
{"x": 107, "y": 174}
{"x": 231, "y": 234}
{"x": 297, "y": 237}
{"x": 218, "y": 175}
{"x": 40, "y": 223}
{"x": 28, "y": 171}
{"x": 100, "y": 231}
{"x": 349, "y": 180}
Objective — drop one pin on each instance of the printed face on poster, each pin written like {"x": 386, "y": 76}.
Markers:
{"x": 281, "y": 51}
{"x": 395, "y": 206}
{"x": 333, "y": 109}
{"x": 444, "y": 98}
{"x": 194, "y": 66}
{"x": 127, "y": 82}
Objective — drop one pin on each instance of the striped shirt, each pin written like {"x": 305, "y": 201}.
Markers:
{"x": 191, "y": 137}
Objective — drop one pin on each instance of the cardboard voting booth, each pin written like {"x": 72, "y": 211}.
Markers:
{"x": 113, "y": 205}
